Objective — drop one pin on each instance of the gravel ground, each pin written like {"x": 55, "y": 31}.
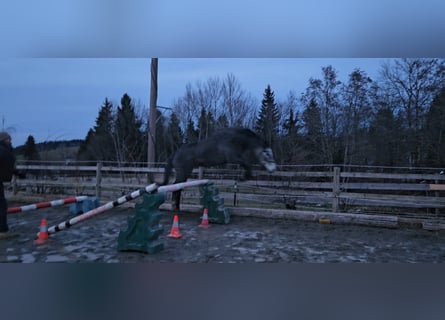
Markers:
{"x": 244, "y": 239}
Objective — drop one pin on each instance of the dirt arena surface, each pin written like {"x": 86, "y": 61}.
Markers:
{"x": 244, "y": 239}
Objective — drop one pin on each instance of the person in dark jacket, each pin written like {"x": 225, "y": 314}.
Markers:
{"x": 7, "y": 165}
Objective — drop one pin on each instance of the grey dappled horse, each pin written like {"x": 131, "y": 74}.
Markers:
{"x": 232, "y": 145}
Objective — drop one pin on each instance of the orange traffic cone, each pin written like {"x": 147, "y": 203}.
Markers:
{"x": 205, "y": 219}
{"x": 43, "y": 234}
{"x": 174, "y": 233}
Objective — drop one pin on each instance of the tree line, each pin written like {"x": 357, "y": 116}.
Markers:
{"x": 395, "y": 120}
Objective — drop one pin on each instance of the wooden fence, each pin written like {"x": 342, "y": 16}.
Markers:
{"x": 382, "y": 190}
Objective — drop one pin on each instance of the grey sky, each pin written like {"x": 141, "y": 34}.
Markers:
{"x": 93, "y": 49}
{"x": 58, "y": 99}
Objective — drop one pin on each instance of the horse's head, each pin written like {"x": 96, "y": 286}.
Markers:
{"x": 265, "y": 157}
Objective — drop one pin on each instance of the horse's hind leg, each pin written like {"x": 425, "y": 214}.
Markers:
{"x": 181, "y": 176}
{"x": 176, "y": 197}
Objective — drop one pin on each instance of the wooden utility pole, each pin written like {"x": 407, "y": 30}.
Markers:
{"x": 151, "y": 157}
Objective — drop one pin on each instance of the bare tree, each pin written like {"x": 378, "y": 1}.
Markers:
{"x": 224, "y": 99}
{"x": 186, "y": 107}
{"x": 209, "y": 95}
{"x": 324, "y": 93}
{"x": 237, "y": 104}
{"x": 357, "y": 109}
{"x": 413, "y": 84}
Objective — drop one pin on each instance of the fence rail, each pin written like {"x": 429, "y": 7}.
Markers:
{"x": 406, "y": 191}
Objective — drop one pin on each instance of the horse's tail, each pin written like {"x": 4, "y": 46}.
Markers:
{"x": 168, "y": 169}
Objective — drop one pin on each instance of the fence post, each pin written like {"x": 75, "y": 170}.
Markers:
{"x": 98, "y": 179}
{"x": 335, "y": 189}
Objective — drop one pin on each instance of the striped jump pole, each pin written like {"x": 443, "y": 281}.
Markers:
{"x": 148, "y": 189}
{"x": 182, "y": 185}
{"x": 109, "y": 205}
{"x": 47, "y": 204}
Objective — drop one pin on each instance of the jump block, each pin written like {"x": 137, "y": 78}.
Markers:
{"x": 210, "y": 199}
{"x": 84, "y": 206}
{"x": 143, "y": 228}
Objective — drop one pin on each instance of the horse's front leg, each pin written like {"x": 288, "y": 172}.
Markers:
{"x": 181, "y": 176}
{"x": 245, "y": 162}
{"x": 176, "y": 196}
{"x": 247, "y": 172}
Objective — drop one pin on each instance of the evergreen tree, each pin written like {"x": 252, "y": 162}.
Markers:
{"x": 313, "y": 133}
{"x": 160, "y": 146}
{"x": 290, "y": 141}
{"x": 128, "y": 135}
{"x": 99, "y": 144}
{"x": 290, "y": 125}
{"x": 84, "y": 153}
{"x": 385, "y": 135}
{"x": 191, "y": 135}
{"x": 434, "y": 132}
{"x": 325, "y": 93}
{"x": 267, "y": 122}
{"x": 221, "y": 122}
{"x": 174, "y": 136}
{"x": 103, "y": 143}
{"x": 30, "y": 151}
{"x": 205, "y": 124}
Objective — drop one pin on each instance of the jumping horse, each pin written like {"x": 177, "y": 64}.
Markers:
{"x": 231, "y": 145}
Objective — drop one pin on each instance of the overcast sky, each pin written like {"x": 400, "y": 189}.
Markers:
{"x": 60, "y": 59}
{"x": 59, "y": 99}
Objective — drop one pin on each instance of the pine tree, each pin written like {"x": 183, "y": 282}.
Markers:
{"x": 221, "y": 122}
{"x": 84, "y": 152}
{"x": 434, "y": 132}
{"x": 290, "y": 141}
{"x": 385, "y": 134}
{"x": 290, "y": 125}
{"x": 325, "y": 93}
{"x": 267, "y": 122}
{"x": 99, "y": 144}
{"x": 313, "y": 133}
{"x": 174, "y": 136}
{"x": 205, "y": 124}
{"x": 103, "y": 144}
{"x": 128, "y": 135}
{"x": 160, "y": 145}
{"x": 30, "y": 152}
{"x": 191, "y": 135}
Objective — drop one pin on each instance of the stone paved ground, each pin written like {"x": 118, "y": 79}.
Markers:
{"x": 244, "y": 239}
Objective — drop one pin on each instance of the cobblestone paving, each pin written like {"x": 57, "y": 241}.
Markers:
{"x": 244, "y": 239}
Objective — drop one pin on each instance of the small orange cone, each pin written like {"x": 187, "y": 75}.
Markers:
{"x": 205, "y": 219}
{"x": 174, "y": 233}
{"x": 43, "y": 234}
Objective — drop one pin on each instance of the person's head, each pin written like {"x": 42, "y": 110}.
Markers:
{"x": 5, "y": 137}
